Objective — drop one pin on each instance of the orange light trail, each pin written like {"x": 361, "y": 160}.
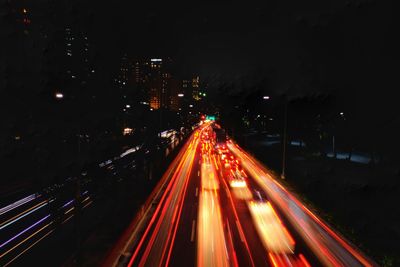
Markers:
{"x": 240, "y": 228}
{"x": 212, "y": 248}
{"x": 329, "y": 248}
{"x": 167, "y": 213}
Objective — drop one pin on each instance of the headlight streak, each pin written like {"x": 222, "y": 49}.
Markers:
{"x": 270, "y": 229}
{"x": 18, "y": 203}
{"x": 211, "y": 243}
{"x": 329, "y": 248}
{"x": 29, "y": 211}
{"x": 239, "y": 225}
{"x": 23, "y": 214}
{"x": 24, "y": 240}
{"x": 24, "y": 231}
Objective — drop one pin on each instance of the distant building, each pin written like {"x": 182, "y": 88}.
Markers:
{"x": 174, "y": 90}
{"x": 78, "y": 56}
{"x": 191, "y": 88}
{"x": 163, "y": 89}
{"x": 123, "y": 74}
{"x": 195, "y": 88}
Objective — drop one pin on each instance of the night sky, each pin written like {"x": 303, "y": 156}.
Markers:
{"x": 318, "y": 45}
{"x": 342, "y": 48}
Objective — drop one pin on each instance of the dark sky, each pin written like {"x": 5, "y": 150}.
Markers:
{"x": 341, "y": 47}
{"x": 319, "y": 43}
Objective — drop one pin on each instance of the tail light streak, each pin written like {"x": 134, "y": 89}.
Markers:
{"x": 323, "y": 241}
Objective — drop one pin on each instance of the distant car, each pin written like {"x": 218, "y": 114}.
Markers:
{"x": 236, "y": 179}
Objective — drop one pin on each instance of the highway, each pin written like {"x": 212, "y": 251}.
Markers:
{"x": 326, "y": 245}
{"x": 218, "y": 206}
{"x": 27, "y": 221}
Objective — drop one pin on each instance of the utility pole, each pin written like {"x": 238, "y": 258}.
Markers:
{"x": 284, "y": 139}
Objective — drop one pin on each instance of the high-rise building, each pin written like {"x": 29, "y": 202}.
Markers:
{"x": 78, "y": 57}
{"x": 155, "y": 93}
{"x": 123, "y": 74}
{"x": 195, "y": 88}
{"x": 162, "y": 88}
{"x": 174, "y": 92}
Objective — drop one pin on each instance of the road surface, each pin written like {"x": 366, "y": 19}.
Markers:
{"x": 218, "y": 206}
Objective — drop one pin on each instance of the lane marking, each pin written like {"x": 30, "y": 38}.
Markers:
{"x": 198, "y": 173}
{"x": 197, "y": 191}
{"x": 193, "y": 231}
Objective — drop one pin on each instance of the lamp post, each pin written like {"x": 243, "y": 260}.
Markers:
{"x": 283, "y": 174}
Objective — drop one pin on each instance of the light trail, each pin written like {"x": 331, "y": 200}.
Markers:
{"x": 18, "y": 203}
{"x": 32, "y": 209}
{"x": 28, "y": 248}
{"x": 158, "y": 248}
{"x": 288, "y": 260}
{"x": 24, "y": 231}
{"x": 153, "y": 219}
{"x": 23, "y": 214}
{"x": 24, "y": 240}
{"x": 239, "y": 225}
{"x": 271, "y": 231}
{"x": 328, "y": 246}
{"x": 211, "y": 245}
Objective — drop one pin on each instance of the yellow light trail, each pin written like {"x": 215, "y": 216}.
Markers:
{"x": 330, "y": 248}
{"x": 211, "y": 246}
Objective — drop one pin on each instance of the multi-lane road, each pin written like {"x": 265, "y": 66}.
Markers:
{"x": 218, "y": 206}
{"x": 27, "y": 221}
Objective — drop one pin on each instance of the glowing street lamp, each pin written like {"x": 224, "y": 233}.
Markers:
{"x": 181, "y": 95}
{"x": 59, "y": 95}
{"x": 266, "y": 97}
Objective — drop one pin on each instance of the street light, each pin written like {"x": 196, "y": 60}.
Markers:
{"x": 128, "y": 106}
{"x": 181, "y": 95}
{"x": 59, "y": 95}
{"x": 283, "y": 175}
